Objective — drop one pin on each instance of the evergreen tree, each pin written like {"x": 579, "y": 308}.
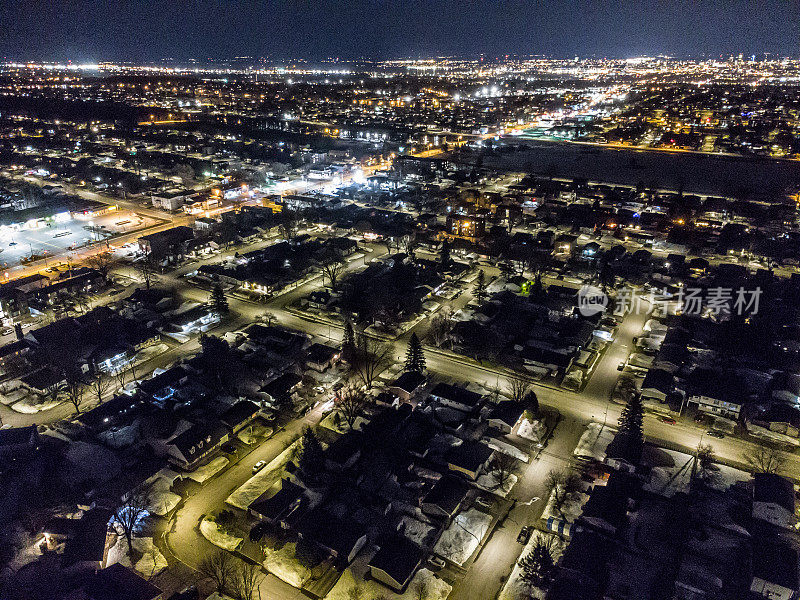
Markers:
{"x": 444, "y": 255}
{"x": 537, "y": 293}
{"x": 219, "y": 303}
{"x": 415, "y": 355}
{"x": 630, "y": 437}
{"x": 312, "y": 457}
{"x": 480, "y": 286}
{"x": 348, "y": 340}
{"x": 537, "y": 566}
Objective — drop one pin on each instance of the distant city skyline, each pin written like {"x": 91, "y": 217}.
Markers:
{"x": 154, "y": 30}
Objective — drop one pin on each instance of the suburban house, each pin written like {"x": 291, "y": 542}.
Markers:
{"x": 657, "y": 385}
{"x": 507, "y": 416}
{"x": 321, "y": 357}
{"x": 446, "y": 497}
{"x": 775, "y": 571}
{"x": 469, "y": 458}
{"x": 277, "y": 507}
{"x": 456, "y": 397}
{"x": 406, "y": 385}
{"x": 282, "y": 388}
{"x": 341, "y": 538}
{"x": 238, "y": 416}
{"x": 773, "y": 499}
{"x": 395, "y": 563}
{"x": 17, "y": 441}
{"x": 188, "y": 448}
{"x": 117, "y": 582}
{"x": 194, "y": 319}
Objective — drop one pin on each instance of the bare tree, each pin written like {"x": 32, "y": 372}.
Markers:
{"x": 563, "y": 485}
{"x": 332, "y": 269}
{"x": 764, "y": 459}
{"x": 74, "y": 392}
{"x": 247, "y": 579}
{"x": 102, "y": 261}
{"x": 219, "y": 568}
{"x": 100, "y": 385}
{"x": 268, "y": 317}
{"x": 351, "y": 401}
{"x": 146, "y": 267}
{"x": 440, "y": 328}
{"x": 370, "y": 357}
{"x": 130, "y": 513}
{"x": 119, "y": 376}
{"x": 706, "y": 458}
{"x": 502, "y": 465}
{"x": 517, "y": 388}
{"x": 421, "y": 589}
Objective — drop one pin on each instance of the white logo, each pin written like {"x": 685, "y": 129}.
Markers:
{"x": 591, "y": 300}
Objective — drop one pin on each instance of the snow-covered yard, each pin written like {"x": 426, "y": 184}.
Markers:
{"x": 532, "y": 430}
{"x": 259, "y": 483}
{"x": 417, "y": 531}
{"x": 151, "y": 563}
{"x": 490, "y": 483}
{"x": 515, "y": 588}
{"x": 213, "y": 534}
{"x": 32, "y": 404}
{"x": 766, "y": 434}
{"x": 459, "y": 541}
{"x": 570, "y": 510}
{"x": 594, "y": 441}
{"x": 437, "y": 589}
{"x": 89, "y": 462}
{"x": 207, "y": 471}
{"x": 672, "y": 471}
{"x": 283, "y": 564}
{"x": 254, "y": 433}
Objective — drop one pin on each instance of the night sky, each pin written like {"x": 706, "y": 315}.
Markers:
{"x": 149, "y": 30}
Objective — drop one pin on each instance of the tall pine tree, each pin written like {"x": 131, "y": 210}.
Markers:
{"x": 312, "y": 457}
{"x": 415, "y": 355}
{"x": 348, "y": 340}
{"x": 480, "y": 286}
{"x": 630, "y": 437}
{"x": 536, "y": 567}
{"x": 444, "y": 255}
{"x": 219, "y": 303}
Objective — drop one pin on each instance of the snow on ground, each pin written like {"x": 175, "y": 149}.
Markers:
{"x": 515, "y": 588}
{"x": 570, "y": 511}
{"x": 212, "y": 533}
{"x": 673, "y": 475}
{"x": 12, "y": 396}
{"x": 437, "y": 589}
{"x": 89, "y": 462}
{"x": 253, "y": 433}
{"x": 594, "y": 441}
{"x": 531, "y": 430}
{"x": 120, "y": 438}
{"x": 416, "y": 530}
{"x": 207, "y": 471}
{"x": 763, "y": 433}
{"x": 162, "y": 502}
{"x": 259, "y": 483}
{"x": 151, "y": 563}
{"x": 461, "y": 539}
{"x": 283, "y": 564}
{"x": 33, "y": 404}
{"x": 488, "y": 482}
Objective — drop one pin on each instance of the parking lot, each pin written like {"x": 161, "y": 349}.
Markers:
{"x": 53, "y": 237}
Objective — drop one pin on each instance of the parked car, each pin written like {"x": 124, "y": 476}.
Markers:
{"x": 668, "y": 420}
{"x": 715, "y": 434}
{"x": 525, "y": 535}
{"x": 258, "y": 466}
{"x": 435, "y": 563}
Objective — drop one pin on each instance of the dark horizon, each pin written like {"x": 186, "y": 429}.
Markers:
{"x": 87, "y": 31}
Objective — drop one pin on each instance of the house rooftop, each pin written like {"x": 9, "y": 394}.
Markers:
{"x": 118, "y": 582}
{"x": 774, "y": 489}
{"x": 398, "y": 557}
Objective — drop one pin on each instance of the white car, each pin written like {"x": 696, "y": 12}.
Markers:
{"x": 258, "y": 466}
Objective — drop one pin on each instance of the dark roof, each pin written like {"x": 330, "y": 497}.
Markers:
{"x": 774, "y": 489}
{"x": 409, "y": 381}
{"x": 447, "y": 493}
{"x": 776, "y": 562}
{"x": 320, "y": 353}
{"x": 152, "y": 295}
{"x": 398, "y": 557}
{"x": 508, "y": 412}
{"x": 120, "y": 583}
{"x": 200, "y": 434}
{"x": 458, "y": 394}
{"x": 469, "y": 455}
{"x": 346, "y": 446}
{"x": 13, "y": 348}
{"x": 239, "y": 413}
{"x": 18, "y": 435}
{"x": 43, "y": 378}
{"x": 279, "y": 504}
{"x": 331, "y": 532}
{"x": 281, "y": 386}
{"x": 89, "y": 543}
{"x": 659, "y": 379}
{"x": 609, "y": 503}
